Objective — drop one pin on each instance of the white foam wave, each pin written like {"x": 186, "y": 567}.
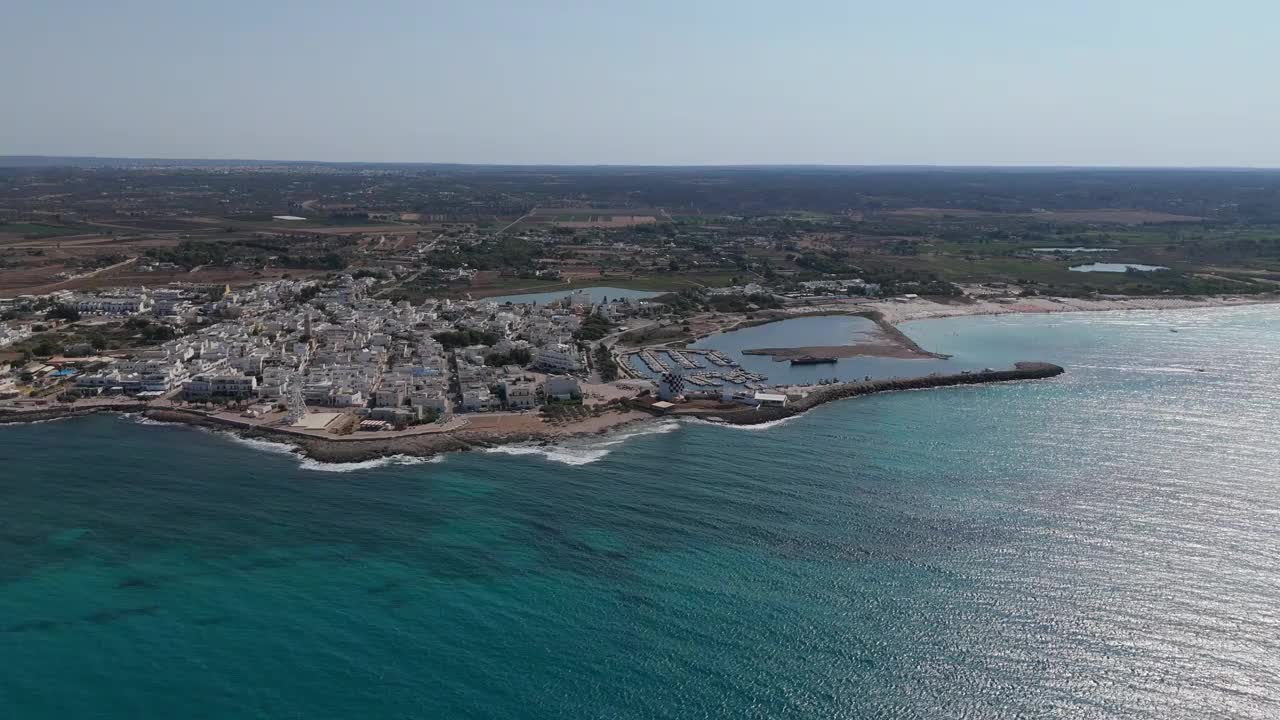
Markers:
{"x": 758, "y": 427}
{"x": 584, "y": 452}
{"x": 317, "y": 466}
{"x": 307, "y": 463}
{"x": 140, "y": 419}
{"x": 554, "y": 453}
{"x": 259, "y": 444}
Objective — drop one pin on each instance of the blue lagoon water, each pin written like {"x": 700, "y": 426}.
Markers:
{"x": 1100, "y": 545}
{"x": 1116, "y": 267}
{"x": 818, "y": 331}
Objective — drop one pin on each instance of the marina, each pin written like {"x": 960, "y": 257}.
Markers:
{"x": 692, "y": 366}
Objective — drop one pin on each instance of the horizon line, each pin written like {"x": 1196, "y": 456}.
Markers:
{"x": 1017, "y": 165}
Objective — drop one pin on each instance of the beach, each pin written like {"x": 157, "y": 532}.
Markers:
{"x": 900, "y": 311}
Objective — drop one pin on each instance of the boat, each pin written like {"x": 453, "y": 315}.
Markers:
{"x": 811, "y": 360}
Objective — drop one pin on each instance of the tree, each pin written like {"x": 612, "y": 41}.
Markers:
{"x": 63, "y": 312}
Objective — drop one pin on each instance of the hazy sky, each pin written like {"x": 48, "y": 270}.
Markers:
{"x": 1084, "y": 82}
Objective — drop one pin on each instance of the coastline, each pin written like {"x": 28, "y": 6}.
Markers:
{"x": 533, "y": 430}
{"x": 1021, "y": 371}
{"x": 896, "y": 313}
{"x": 426, "y": 445}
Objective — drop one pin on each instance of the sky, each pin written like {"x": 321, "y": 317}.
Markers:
{"x": 649, "y": 82}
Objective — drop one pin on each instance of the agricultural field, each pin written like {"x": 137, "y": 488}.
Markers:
{"x": 583, "y": 218}
{"x": 32, "y": 230}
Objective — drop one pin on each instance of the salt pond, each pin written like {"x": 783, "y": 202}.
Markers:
{"x": 1116, "y": 267}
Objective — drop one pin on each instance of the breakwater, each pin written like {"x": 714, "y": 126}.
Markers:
{"x": 829, "y": 393}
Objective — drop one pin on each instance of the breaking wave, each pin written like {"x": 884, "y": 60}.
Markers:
{"x": 317, "y": 466}
{"x": 140, "y": 419}
{"x": 748, "y": 428}
{"x": 307, "y": 463}
{"x": 585, "y": 452}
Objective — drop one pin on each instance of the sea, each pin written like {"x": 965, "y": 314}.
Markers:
{"x": 1099, "y": 545}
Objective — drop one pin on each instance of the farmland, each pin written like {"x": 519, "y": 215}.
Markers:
{"x": 427, "y": 231}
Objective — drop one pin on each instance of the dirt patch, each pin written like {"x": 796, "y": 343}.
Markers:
{"x": 1118, "y": 217}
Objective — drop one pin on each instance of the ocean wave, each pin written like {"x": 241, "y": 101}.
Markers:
{"x": 759, "y": 427}
{"x": 585, "y": 452}
{"x": 278, "y": 448}
{"x": 317, "y": 466}
{"x": 306, "y": 463}
{"x": 140, "y": 419}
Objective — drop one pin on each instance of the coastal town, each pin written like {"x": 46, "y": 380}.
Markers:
{"x": 413, "y": 310}
{"x": 321, "y": 362}
{"x": 307, "y": 354}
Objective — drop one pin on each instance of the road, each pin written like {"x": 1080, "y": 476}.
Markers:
{"x": 430, "y": 246}
{"x": 60, "y": 285}
{"x": 517, "y": 221}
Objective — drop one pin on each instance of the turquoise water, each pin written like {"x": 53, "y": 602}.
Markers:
{"x": 816, "y": 331}
{"x": 598, "y": 294}
{"x": 1100, "y": 545}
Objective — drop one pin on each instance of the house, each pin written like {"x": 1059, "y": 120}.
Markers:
{"x": 208, "y": 387}
{"x": 477, "y": 398}
{"x": 562, "y": 387}
{"x": 123, "y": 304}
{"x": 521, "y": 393}
{"x": 558, "y": 357}
{"x": 771, "y": 399}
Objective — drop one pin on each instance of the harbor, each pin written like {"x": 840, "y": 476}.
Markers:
{"x": 700, "y": 369}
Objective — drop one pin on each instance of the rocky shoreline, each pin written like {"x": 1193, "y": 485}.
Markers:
{"x": 427, "y": 445}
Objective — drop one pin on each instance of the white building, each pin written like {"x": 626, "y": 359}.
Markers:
{"x": 558, "y": 357}
{"x": 124, "y": 304}
{"x": 204, "y": 387}
{"x": 521, "y": 393}
{"x": 477, "y": 398}
{"x": 562, "y": 387}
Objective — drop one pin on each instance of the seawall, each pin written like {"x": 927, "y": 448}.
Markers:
{"x": 829, "y": 393}
{"x": 60, "y": 412}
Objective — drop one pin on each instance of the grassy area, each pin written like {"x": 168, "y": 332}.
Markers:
{"x": 1055, "y": 277}
{"x": 674, "y": 281}
{"x": 518, "y": 286}
{"x": 36, "y": 229}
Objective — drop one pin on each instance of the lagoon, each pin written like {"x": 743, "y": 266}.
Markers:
{"x": 598, "y": 294}
{"x": 1116, "y": 267}
{"x": 1073, "y": 250}
{"x": 819, "y": 331}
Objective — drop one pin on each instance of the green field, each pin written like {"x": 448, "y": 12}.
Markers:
{"x": 517, "y": 286}
{"x": 36, "y": 229}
